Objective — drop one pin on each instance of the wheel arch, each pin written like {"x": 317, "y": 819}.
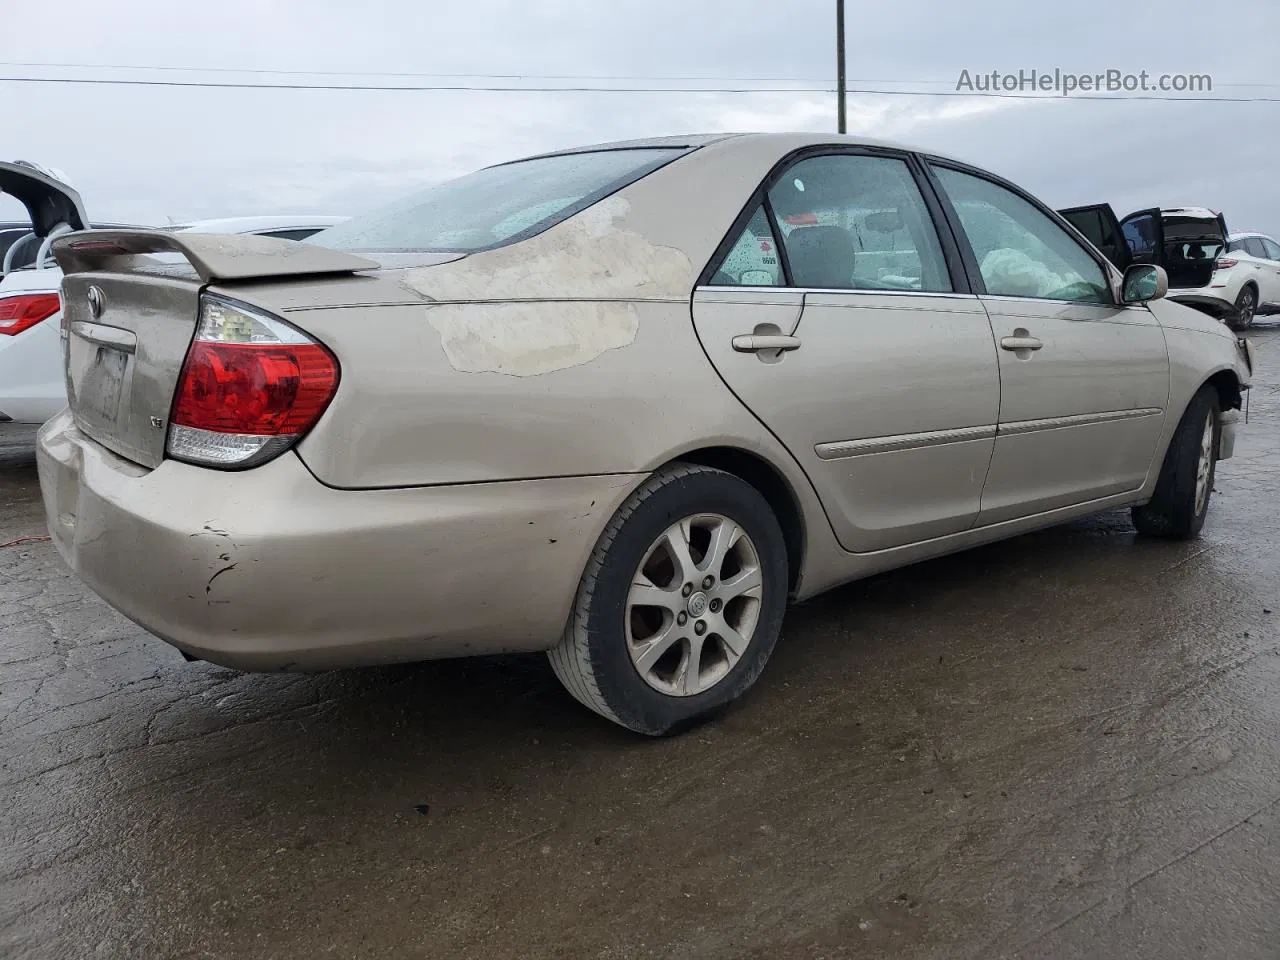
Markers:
{"x": 1228, "y": 387}
{"x": 771, "y": 484}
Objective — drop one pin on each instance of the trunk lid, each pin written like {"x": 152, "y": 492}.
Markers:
{"x": 48, "y": 200}
{"x": 1193, "y": 239}
{"x": 128, "y": 320}
{"x": 52, "y": 206}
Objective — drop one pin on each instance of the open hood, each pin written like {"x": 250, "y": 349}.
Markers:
{"x": 49, "y": 201}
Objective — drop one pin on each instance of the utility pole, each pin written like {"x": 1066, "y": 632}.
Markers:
{"x": 840, "y": 65}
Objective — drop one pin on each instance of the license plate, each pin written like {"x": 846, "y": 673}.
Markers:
{"x": 104, "y": 381}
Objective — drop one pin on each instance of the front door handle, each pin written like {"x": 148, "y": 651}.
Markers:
{"x": 751, "y": 343}
{"x": 1021, "y": 343}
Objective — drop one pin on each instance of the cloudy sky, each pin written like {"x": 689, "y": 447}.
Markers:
{"x": 145, "y": 154}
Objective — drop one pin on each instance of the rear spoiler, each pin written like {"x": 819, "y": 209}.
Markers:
{"x": 213, "y": 256}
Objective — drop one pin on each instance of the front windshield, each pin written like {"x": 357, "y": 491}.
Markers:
{"x": 497, "y": 205}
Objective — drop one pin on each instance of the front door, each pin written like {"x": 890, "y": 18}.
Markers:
{"x": 1100, "y": 227}
{"x": 835, "y": 317}
{"x": 1083, "y": 381}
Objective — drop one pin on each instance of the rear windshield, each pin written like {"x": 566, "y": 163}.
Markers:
{"x": 497, "y": 205}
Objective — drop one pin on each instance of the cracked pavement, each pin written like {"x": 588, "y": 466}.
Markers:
{"x": 1060, "y": 746}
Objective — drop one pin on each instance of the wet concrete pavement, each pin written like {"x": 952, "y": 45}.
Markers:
{"x": 1061, "y": 746}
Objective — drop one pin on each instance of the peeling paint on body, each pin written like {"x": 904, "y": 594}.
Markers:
{"x": 572, "y": 284}
{"x": 527, "y": 339}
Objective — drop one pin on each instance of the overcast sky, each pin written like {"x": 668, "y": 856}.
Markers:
{"x": 147, "y": 154}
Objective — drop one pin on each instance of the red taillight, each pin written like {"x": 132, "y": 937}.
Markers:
{"x": 25, "y": 310}
{"x": 1224, "y": 263}
{"x": 261, "y": 389}
{"x": 250, "y": 387}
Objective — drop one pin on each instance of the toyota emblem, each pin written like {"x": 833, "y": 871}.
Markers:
{"x": 96, "y": 302}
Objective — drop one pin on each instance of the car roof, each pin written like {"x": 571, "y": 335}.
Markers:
{"x": 694, "y": 140}
{"x": 255, "y": 224}
{"x": 1246, "y": 234}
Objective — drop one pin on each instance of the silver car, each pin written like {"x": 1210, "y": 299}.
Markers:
{"x": 619, "y": 403}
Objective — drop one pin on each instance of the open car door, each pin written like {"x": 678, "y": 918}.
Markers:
{"x": 53, "y": 206}
{"x": 1099, "y": 225}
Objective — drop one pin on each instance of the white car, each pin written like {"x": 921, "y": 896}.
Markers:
{"x": 32, "y": 383}
{"x": 1249, "y": 274}
{"x": 1232, "y": 278}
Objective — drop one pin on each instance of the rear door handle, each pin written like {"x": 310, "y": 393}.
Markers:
{"x": 1021, "y": 343}
{"x": 750, "y": 343}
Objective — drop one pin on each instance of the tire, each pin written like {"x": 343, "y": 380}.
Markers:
{"x": 611, "y": 657}
{"x": 1180, "y": 503}
{"x": 1246, "y": 308}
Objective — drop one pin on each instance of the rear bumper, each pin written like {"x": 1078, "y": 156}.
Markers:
{"x": 268, "y": 569}
{"x": 1205, "y": 299}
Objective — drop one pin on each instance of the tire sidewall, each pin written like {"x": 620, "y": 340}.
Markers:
{"x": 1203, "y": 405}
{"x": 627, "y": 694}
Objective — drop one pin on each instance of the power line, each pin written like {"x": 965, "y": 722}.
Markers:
{"x": 438, "y": 76}
{"x": 513, "y": 76}
{"x": 497, "y": 88}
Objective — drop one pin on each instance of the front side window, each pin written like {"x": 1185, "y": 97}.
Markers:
{"x": 1021, "y": 252}
{"x": 496, "y": 206}
{"x": 856, "y": 222}
{"x": 1272, "y": 248}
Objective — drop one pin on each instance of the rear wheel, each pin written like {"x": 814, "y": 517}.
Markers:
{"x": 680, "y": 605}
{"x": 1181, "y": 500}
{"x": 1246, "y": 308}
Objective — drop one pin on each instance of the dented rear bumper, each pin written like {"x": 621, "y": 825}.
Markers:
{"x": 268, "y": 569}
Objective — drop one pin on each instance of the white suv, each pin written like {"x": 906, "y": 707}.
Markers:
{"x": 1249, "y": 274}
{"x": 1193, "y": 246}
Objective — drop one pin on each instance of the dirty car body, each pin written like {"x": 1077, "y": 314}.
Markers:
{"x": 653, "y": 391}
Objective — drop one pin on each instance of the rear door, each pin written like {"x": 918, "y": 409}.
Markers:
{"x": 1100, "y": 227}
{"x": 1271, "y": 296}
{"x": 838, "y": 313}
{"x": 1083, "y": 380}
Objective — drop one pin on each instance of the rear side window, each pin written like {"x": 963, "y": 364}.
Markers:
{"x": 846, "y": 222}
{"x": 498, "y": 205}
{"x": 753, "y": 259}
{"x": 1255, "y": 248}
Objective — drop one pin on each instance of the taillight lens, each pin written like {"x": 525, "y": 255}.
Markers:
{"x": 1224, "y": 263}
{"x": 24, "y": 310}
{"x": 250, "y": 388}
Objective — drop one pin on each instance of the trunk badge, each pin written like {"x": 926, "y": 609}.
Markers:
{"x": 96, "y": 302}
{"x": 157, "y": 422}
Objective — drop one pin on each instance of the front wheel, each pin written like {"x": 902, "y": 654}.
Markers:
{"x": 1181, "y": 500}
{"x": 680, "y": 605}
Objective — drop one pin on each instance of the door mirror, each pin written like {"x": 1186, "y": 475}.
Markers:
{"x": 1143, "y": 282}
